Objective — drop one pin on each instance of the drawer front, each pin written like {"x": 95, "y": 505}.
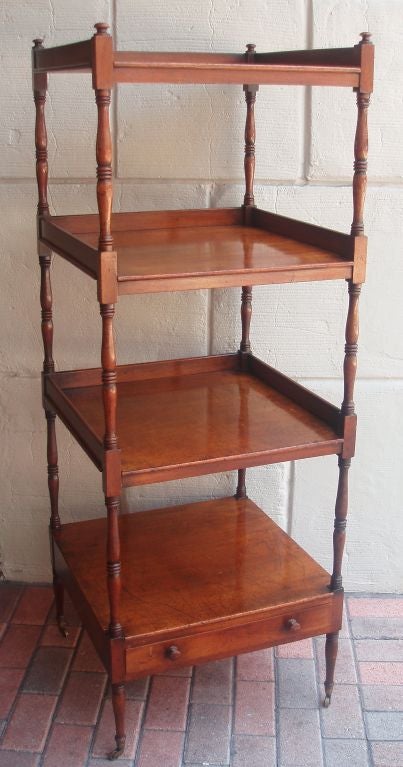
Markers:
{"x": 289, "y": 626}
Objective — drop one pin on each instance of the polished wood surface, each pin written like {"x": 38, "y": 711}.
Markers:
{"x": 214, "y": 251}
{"x": 186, "y": 567}
{"x": 185, "y": 423}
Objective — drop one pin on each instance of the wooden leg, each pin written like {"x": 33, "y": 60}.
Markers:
{"x": 241, "y": 487}
{"x": 55, "y": 525}
{"x": 58, "y": 589}
{"x": 331, "y": 647}
{"x": 118, "y": 702}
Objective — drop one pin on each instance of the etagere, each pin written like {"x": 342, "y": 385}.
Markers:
{"x": 205, "y": 580}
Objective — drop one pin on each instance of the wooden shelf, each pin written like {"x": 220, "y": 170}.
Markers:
{"x": 216, "y": 568}
{"x": 179, "y": 250}
{"x": 196, "y": 416}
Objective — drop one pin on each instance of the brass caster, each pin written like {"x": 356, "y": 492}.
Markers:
{"x": 326, "y": 702}
{"x": 118, "y": 751}
{"x": 62, "y": 627}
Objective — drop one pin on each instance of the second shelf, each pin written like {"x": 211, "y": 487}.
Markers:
{"x": 188, "y": 249}
{"x": 194, "y": 416}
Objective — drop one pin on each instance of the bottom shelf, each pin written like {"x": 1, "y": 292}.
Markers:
{"x": 209, "y": 579}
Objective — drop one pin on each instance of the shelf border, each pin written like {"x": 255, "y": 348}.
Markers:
{"x": 341, "y": 67}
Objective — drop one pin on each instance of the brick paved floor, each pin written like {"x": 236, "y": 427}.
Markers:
{"x": 257, "y": 710}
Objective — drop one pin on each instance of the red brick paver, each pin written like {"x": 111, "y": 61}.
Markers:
{"x": 167, "y": 704}
{"x": 71, "y": 741}
{"x": 30, "y": 722}
{"x": 34, "y": 605}
{"x": 81, "y": 699}
{"x": 52, "y": 637}
{"x": 9, "y": 596}
{"x": 18, "y": 759}
{"x": 256, "y": 666}
{"x": 254, "y": 708}
{"x": 10, "y": 680}
{"x": 387, "y": 754}
{"x": 381, "y": 673}
{"x": 161, "y": 747}
{"x": 18, "y": 645}
{"x": 213, "y": 682}
{"x": 258, "y": 710}
{"x": 375, "y": 608}
{"x": 301, "y": 649}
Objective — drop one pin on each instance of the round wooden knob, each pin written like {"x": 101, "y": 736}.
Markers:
{"x": 102, "y": 28}
{"x": 293, "y": 625}
{"x": 172, "y": 652}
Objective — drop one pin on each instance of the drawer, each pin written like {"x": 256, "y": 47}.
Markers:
{"x": 290, "y": 625}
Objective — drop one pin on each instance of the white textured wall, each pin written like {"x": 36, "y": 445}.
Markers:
{"x": 182, "y": 146}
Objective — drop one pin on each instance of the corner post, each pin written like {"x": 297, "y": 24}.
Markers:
{"x": 351, "y": 346}
{"x": 40, "y": 86}
{"x": 248, "y": 203}
{"x": 102, "y": 84}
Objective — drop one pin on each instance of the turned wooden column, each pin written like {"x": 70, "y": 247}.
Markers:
{"x": 104, "y": 158}
{"x": 40, "y": 85}
{"x": 340, "y": 521}
{"x": 351, "y": 349}
{"x": 360, "y": 154}
{"x": 250, "y": 133}
{"x": 113, "y": 565}
{"x": 109, "y": 376}
{"x": 244, "y": 350}
{"x": 246, "y": 316}
{"x": 249, "y": 202}
{"x": 109, "y": 393}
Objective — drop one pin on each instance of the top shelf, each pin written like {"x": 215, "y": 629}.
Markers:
{"x": 348, "y": 67}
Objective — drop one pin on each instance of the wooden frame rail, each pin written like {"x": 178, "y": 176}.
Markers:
{"x": 343, "y": 67}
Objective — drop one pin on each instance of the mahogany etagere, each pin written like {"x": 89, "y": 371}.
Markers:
{"x": 205, "y": 580}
